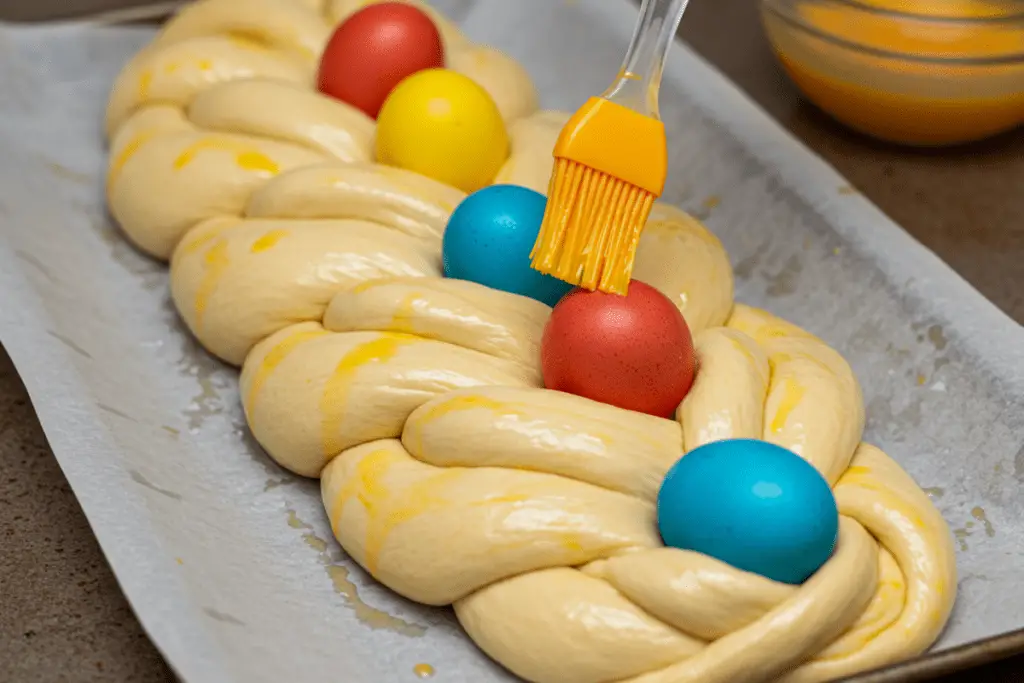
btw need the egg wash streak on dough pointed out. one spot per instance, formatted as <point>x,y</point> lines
<point>370,352</point>
<point>337,388</point>
<point>385,512</point>
<point>274,358</point>
<point>216,263</point>
<point>405,312</point>
<point>502,410</point>
<point>246,157</point>
<point>127,152</point>
<point>863,477</point>
<point>268,241</point>
<point>793,394</point>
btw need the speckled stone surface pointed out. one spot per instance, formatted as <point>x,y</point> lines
<point>62,616</point>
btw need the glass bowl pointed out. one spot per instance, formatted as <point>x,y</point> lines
<point>919,72</point>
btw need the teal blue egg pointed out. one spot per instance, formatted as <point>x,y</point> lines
<point>754,505</point>
<point>489,238</point>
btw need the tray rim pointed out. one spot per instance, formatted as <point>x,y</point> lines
<point>958,659</point>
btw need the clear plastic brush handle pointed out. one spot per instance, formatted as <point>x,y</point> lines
<point>639,78</point>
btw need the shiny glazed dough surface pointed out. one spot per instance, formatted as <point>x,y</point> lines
<point>447,471</point>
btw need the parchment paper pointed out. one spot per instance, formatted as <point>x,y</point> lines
<point>228,560</point>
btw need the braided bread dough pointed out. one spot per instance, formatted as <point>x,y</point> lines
<point>447,471</point>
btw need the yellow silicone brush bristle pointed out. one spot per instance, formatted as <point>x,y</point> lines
<point>610,166</point>
<point>590,238</point>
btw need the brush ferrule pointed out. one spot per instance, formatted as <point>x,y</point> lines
<point>617,141</point>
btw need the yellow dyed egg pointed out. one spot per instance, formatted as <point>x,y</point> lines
<point>443,125</point>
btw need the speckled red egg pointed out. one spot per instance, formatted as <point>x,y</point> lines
<point>632,351</point>
<point>374,50</point>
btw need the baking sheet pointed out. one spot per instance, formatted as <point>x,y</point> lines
<point>228,560</point>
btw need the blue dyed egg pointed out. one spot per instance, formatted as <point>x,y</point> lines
<point>489,238</point>
<point>751,504</point>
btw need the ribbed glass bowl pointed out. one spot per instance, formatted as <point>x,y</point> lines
<point>919,72</point>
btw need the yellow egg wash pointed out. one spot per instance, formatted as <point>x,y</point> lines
<point>571,542</point>
<point>863,478</point>
<point>423,670</point>
<point>480,58</point>
<point>941,8</point>
<point>145,82</point>
<point>743,349</point>
<point>274,358</point>
<point>304,50</point>
<point>384,512</point>
<point>126,153</point>
<point>208,234</point>
<point>786,357</point>
<point>367,285</point>
<point>793,393</point>
<point>268,241</point>
<point>246,42</point>
<point>466,402</point>
<point>247,158</point>
<point>413,435</point>
<point>405,312</point>
<point>886,606</point>
<point>215,263</point>
<point>761,326</point>
<point>770,331</point>
<point>257,162</point>
<point>332,402</point>
<point>909,34</point>
<point>912,95</point>
<point>604,438</point>
<point>500,500</point>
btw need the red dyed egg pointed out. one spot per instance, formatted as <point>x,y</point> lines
<point>632,351</point>
<point>376,48</point>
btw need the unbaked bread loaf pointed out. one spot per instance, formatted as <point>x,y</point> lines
<point>447,471</point>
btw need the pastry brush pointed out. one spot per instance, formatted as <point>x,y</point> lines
<point>611,160</point>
